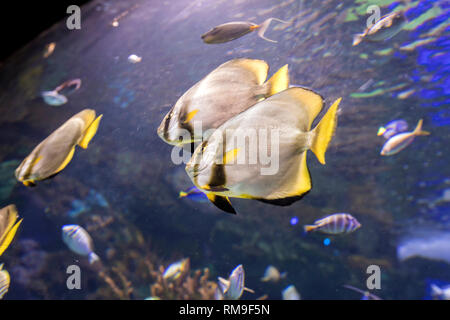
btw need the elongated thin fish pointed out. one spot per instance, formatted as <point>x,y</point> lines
<point>234,30</point>
<point>8,226</point>
<point>272,275</point>
<point>176,269</point>
<point>225,92</point>
<point>231,162</point>
<point>55,98</point>
<point>233,288</point>
<point>335,224</point>
<point>400,141</point>
<point>79,241</point>
<point>387,27</point>
<point>54,153</point>
<point>366,295</point>
<point>290,293</point>
<point>4,281</point>
<point>392,128</point>
<point>194,194</point>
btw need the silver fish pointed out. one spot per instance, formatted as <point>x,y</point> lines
<point>272,275</point>
<point>54,98</point>
<point>222,170</point>
<point>335,224</point>
<point>387,27</point>
<point>400,141</point>
<point>79,241</point>
<point>232,288</point>
<point>54,153</point>
<point>234,30</point>
<point>228,90</point>
<point>176,269</point>
<point>290,293</point>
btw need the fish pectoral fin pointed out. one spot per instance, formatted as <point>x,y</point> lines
<point>222,203</point>
<point>9,237</point>
<point>279,81</point>
<point>90,132</point>
<point>29,183</point>
<point>66,160</point>
<point>190,116</point>
<point>324,131</point>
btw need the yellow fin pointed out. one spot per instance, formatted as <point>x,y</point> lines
<point>230,156</point>
<point>66,161</point>
<point>279,81</point>
<point>12,215</point>
<point>223,203</point>
<point>190,115</point>
<point>9,237</point>
<point>90,132</point>
<point>182,194</point>
<point>258,67</point>
<point>324,132</point>
<point>304,179</point>
<point>311,101</point>
<point>29,183</point>
<point>381,131</point>
<point>309,228</point>
<point>418,130</point>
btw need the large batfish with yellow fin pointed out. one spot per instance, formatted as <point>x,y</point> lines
<point>8,226</point>
<point>228,90</point>
<point>230,162</point>
<point>54,153</point>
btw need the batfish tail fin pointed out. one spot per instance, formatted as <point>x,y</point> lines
<point>324,131</point>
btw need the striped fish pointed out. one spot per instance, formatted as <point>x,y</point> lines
<point>335,224</point>
<point>79,241</point>
<point>4,281</point>
<point>232,288</point>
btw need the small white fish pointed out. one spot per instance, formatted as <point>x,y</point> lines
<point>400,141</point>
<point>272,275</point>
<point>335,224</point>
<point>440,293</point>
<point>79,241</point>
<point>290,293</point>
<point>232,288</point>
<point>176,269</point>
<point>134,58</point>
<point>4,281</point>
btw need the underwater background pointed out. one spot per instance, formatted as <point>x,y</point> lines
<point>124,189</point>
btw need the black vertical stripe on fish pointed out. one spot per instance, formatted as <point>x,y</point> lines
<point>166,126</point>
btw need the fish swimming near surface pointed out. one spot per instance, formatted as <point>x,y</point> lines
<point>55,98</point>
<point>392,128</point>
<point>290,293</point>
<point>273,275</point>
<point>54,153</point>
<point>225,92</point>
<point>400,141</point>
<point>283,122</point>
<point>79,241</point>
<point>335,224</point>
<point>233,30</point>
<point>4,281</point>
<point>232,288</point>
<point>176,269</point>
<point>366,295</point>
<point>8,226</point>
<point>386,28</point>
<point>194,194</point>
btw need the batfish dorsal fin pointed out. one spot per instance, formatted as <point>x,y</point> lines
<point>310,100</point>
<point>258,67</point>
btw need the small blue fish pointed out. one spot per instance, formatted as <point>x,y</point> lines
<point>194,194</point>
<point>79,241</point>
<point>392,128</point>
